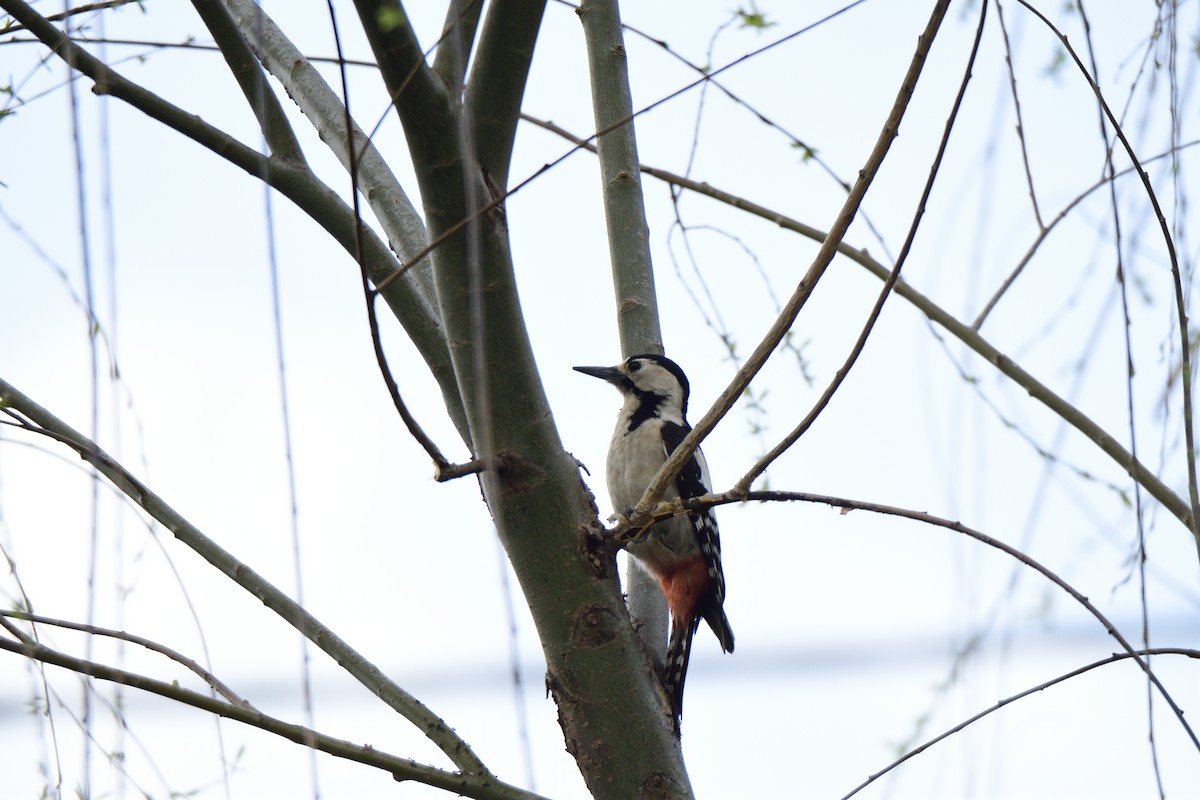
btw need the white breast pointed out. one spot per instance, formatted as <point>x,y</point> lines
<point>633,460</point>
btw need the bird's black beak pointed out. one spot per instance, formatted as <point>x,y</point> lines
<point>610,374</point>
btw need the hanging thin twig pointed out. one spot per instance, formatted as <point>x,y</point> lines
<point>1180,299</point>
<point>804,289</point>
<point>743,485</point>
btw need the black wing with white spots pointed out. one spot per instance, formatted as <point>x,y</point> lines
<point>694,481</point>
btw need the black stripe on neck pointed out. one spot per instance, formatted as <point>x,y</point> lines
<point>648,405</point>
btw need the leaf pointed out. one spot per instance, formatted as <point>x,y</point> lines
<point>754,18</point>
<point>808,154</point>
<point>1054,70</point>
<point>390,18</point>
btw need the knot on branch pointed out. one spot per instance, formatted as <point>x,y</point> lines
<point>598,551</point>
<point>635,524</point>
<point>595,625</point>
<point>445,471</point>
<point>519,473</point>
<point>660,786</point>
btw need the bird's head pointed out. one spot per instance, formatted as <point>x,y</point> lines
<point>650,380</point>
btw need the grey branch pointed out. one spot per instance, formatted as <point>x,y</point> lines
<point>39,420</point>
<point>628,530</point>
<point>483,787</point>
<point>217,685</point>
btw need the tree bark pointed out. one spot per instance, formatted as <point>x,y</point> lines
<point>613,712</point>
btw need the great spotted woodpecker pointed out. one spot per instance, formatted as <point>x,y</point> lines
<point>684,552</point>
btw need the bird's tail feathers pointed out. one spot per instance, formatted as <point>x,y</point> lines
<point>714,615</point>
<point>679,651</point>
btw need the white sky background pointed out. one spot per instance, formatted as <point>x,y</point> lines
<point>847,626</point>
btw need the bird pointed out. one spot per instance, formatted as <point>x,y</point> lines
<point>684,552</point>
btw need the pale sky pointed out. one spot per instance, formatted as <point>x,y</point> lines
<point>847,626</point>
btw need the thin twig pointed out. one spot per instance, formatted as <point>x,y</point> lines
<point>89,297</point>
<point>743,485</point>
<point>187,44</point>
<point>809,153</point>
<point>1012,82</point>
<point>212,680</point>
<point>1180,300</point>
<point>483,786</point>
<point>1127,327</point>
<point>441,464</point>
<point>627,531</point>
<point>1066,411</point>
<point>804,289</point>
<point>1044,233</point>
<point>1114,658</point>
<point>71,12</point>
<point>503,196</point>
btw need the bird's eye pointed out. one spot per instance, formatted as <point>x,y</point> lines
<point>635,365</point>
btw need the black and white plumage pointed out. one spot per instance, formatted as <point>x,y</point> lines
<point>684,553</point>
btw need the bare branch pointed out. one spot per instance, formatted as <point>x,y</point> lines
<point>296,182</point>
<point>627,530</point>
<point>499,73</point>
<point>39,420</point>
<point>417,93</point>
<point>964,333</point>
<point>1114,658</point>
<point>448,472</point>
<point>271,120</point>
<point>1012,82</point>
<point>1180,300</point>
<point>327,114</point>
<point>212,680</point>
<point>72,12</point>
<point>743,485</point>
<point>804,289</point>
<point>624,204</point>
<point>458,33</point>
<point>482,786</point>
